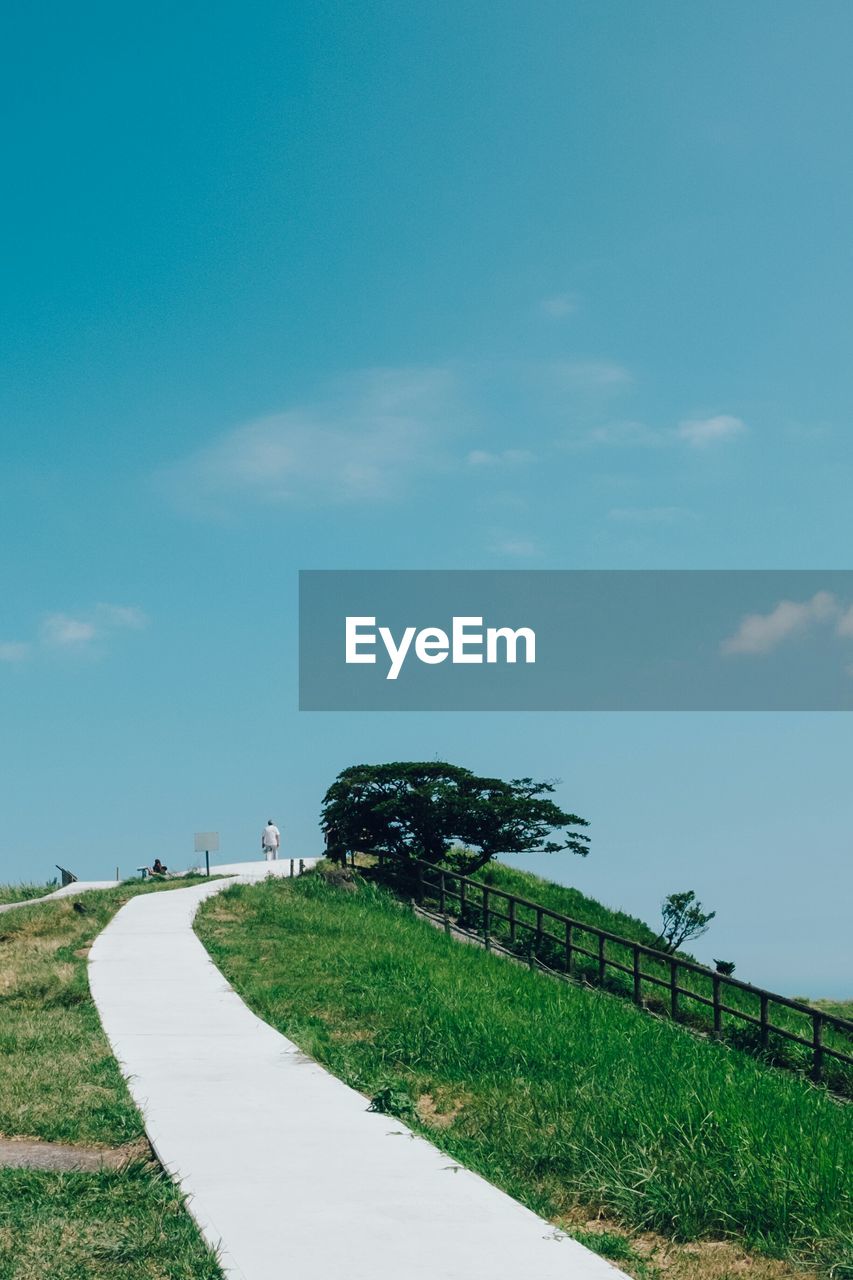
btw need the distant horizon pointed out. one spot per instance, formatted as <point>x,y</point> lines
<point>547,867</point>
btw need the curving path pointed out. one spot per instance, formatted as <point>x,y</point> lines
<point>286,1170</point>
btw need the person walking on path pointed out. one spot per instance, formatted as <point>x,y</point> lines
<point>270,840</point>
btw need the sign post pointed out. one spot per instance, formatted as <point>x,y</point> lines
<point>206,842</point>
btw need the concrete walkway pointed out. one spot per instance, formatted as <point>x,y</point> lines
<point>243,870</point>
<point>286,1169</point>
<point>252,871</point>
<point>68,890</point>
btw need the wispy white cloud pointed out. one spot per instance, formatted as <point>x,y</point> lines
<point>515,548</point>
<point>381,436</point>
<point>503,500</point>
<point>760,633</point>
<point>76,633</point>
<point>559,305</point>
<point>845,624</point>
<point>808,432</point>
<point>15,651</point>
<point>503,458</point>
<point>120,617</point>
<point>61,631</point>
<point>701,432</point>
<point>650,515</point>
<point>369,442</point>
<point>625,435</point>
<point>588,375</point>
<point>696,433</point>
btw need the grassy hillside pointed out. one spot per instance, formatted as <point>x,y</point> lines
<point>577,1103</point>
<point>23,892</point>
<point>571,902</point>
<point>60,1082</point>
<point>838,1008</point>
<point>568,901</point>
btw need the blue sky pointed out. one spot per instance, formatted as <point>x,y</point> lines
<point>394,285</point>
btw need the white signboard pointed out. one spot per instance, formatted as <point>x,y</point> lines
<point>206,842</point>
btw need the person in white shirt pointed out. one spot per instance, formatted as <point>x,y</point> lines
<point>270,840</point>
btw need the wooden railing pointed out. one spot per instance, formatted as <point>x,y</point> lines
<point>478,904</point>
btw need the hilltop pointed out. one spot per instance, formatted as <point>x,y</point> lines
<point>622,1129</point>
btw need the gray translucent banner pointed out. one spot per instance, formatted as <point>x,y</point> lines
<point>581,640</point>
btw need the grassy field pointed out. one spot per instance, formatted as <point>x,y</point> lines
<point>98,1226</point>
<point>577,1103</point>
<point>23,892</point>
<point>568,901</point>
<point>60,1082</point>
<point>838,1008</point>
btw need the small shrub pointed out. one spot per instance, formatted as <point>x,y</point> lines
<point>607,1244</point>
<point>393,1100</point>
<point>336,875</point>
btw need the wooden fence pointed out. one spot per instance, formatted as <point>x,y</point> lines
<point>480,903</point>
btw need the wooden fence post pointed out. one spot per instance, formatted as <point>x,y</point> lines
<point>442,894</point>
<point>673,988</point>
<point>718,1013</point>
<point>569,947</point>
<point>638,989</point>
<point>538,941</point>
<point>462,901</point>
<point>765,1028</point>
<point>486,921</point>
<point>817,1047</point>
<point>512,924</point>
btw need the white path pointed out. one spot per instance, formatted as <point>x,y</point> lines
<point>245,870</point>
<point>68,890</point>
<point>286,1169</point>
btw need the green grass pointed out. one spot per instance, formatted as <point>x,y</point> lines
<point>561,1094</point>
<point>608,1244</point>
<point>23,892</point>
<point>778,1051</point>
<point>568,901</point>
<point>98,1226</point>
<point>60,1082</point>
<point>58,1078</point>
<point>838,1008</point>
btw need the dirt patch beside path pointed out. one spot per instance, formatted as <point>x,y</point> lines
<point>28,1153</point>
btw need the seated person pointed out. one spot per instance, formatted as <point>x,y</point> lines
<point>158,869</point>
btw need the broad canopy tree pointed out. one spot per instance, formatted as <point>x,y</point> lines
<point>444,814</point>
